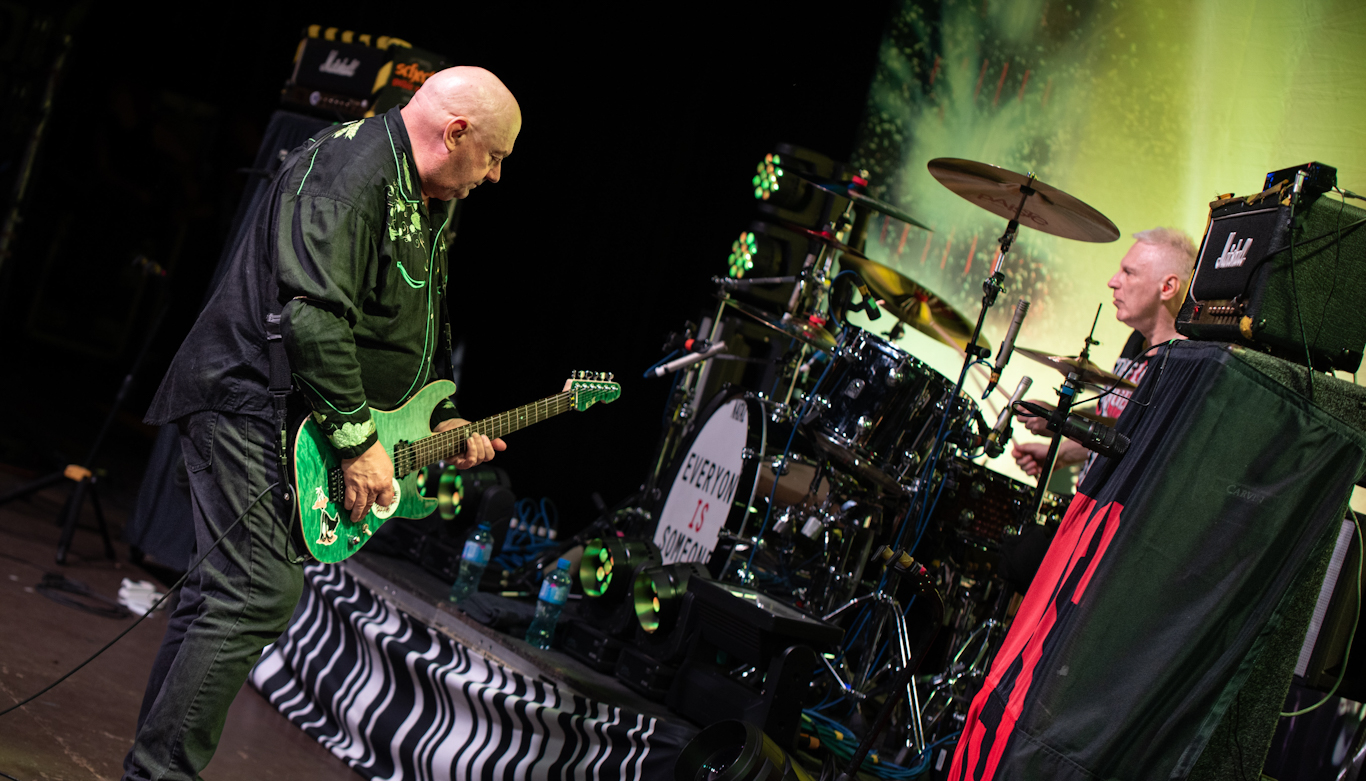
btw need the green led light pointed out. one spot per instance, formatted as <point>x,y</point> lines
<point>742,252</point>
<point>766,180</point>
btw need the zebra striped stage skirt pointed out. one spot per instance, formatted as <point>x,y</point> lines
<point>397,699</point>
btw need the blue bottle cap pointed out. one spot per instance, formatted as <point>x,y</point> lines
<point>565,564</point>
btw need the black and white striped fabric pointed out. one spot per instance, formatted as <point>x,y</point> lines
<point>396,699</point>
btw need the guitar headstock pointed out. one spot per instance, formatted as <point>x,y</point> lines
<point>589,388</point>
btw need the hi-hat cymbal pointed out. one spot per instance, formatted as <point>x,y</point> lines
<point>1087,371</point>
<point>802,329</point>
<point>912,304</point>
<point>854,192</point>
<point>821,236</point>
<point>999,191</point>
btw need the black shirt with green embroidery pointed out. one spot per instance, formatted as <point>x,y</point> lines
<point>345,251</point>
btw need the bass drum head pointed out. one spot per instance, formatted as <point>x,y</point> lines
<point>711,484</point>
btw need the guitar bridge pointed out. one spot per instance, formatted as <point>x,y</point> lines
<point>336,484</point>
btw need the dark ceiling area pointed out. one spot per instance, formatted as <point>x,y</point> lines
<point>626,188</point>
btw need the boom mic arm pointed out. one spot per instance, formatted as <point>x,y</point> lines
<point>1090,434</point>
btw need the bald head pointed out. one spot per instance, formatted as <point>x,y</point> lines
<point>462,123</point>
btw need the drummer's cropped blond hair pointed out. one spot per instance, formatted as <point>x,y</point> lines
<point>1181,249</point>
<point>1180,257</point>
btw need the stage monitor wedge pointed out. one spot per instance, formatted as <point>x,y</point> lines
<point>1243,289</point>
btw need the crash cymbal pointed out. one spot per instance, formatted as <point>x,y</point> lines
<point>1089,373</point>
<point>854,192</point>
<point>800,329</point>
<point>999,191</point>
<point>912,304</point>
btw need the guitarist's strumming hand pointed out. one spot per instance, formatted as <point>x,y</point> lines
<point>478,448</point>
<point>369,479</point>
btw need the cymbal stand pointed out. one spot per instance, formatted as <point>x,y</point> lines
<point>1067,396</point>
<point>972,352</point>
<point>885,610</point>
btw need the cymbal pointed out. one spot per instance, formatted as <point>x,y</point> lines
<point>1084,412</point>
<point>912,304</point>
<point>800,329</point>
<point>820,236</point>
<point>1089,373</point>
<point>999,191</point>
<point>854,192</point>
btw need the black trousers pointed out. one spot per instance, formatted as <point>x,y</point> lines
<point>237,602</point>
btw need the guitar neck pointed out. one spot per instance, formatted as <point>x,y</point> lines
<point>449,444</point>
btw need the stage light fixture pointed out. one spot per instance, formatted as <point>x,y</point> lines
<point>735,751</point>
<point>609,563</point>
<point>446,483</point>
<point>658,593</point>
<point>742,252</point>
<point>769,178</point>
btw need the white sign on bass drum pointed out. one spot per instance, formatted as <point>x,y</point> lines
<point>705,485</point>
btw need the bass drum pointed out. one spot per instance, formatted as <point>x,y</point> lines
<point>711,485</point>
<point>877,409</point>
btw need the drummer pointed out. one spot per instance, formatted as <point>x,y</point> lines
<point>1149,288</point>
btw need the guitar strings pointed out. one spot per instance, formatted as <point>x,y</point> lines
<point>447,444</point>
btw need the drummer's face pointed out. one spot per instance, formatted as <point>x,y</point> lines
<point>1138,285</point>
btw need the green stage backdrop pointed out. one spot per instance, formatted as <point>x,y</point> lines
<point>1144,109</point>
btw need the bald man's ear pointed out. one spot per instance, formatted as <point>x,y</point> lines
<point>456,129</point>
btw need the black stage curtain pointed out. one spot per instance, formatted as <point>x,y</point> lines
<point>1177,575</point>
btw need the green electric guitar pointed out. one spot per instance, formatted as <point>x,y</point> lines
<point>407,437</point>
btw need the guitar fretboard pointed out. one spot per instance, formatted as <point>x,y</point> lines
<point>449,444</point>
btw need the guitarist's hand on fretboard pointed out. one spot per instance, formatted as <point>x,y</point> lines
<point>478,449</point>
<point>369,481</point>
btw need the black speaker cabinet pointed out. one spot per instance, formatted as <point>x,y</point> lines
<point>1243,290</point>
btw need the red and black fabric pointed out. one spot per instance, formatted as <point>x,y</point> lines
<point>1167,571</point>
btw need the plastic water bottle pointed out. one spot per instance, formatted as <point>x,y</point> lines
<point>478,548</point>
<point>554,593</point>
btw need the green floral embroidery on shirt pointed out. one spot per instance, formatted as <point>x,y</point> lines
<point>405,221</point>
<point>350,132</point>
<point>351,434</point>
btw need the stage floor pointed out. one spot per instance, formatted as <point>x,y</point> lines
<point>81,729</point>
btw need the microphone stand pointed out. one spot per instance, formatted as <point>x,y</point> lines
<point>1067,396</point>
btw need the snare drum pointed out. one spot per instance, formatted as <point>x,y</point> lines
<point>878,409</point>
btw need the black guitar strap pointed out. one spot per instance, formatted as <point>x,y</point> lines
<point>279,389</point>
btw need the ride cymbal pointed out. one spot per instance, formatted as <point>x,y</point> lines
<point>1000,191</point>
<point>1088,372</point>
<point>912,304</point>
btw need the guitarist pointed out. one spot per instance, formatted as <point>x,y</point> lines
<point>338,284</point>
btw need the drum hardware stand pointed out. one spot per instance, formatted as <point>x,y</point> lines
<point>1067,396</point>
<point>904,679</point>
<point>681,411</point>
<point>886,609</point>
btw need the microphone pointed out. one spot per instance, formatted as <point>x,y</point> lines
<point>689,359</point>
<point>868,304</point>
<point>1090,434</point>
<point>1001,432</point>
<point>1008,346</point>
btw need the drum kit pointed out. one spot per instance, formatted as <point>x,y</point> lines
<point>864,452</point>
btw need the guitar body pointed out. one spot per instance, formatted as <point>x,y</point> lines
<point>326,524</point>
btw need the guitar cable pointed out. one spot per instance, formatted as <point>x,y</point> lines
<point>150,610</point>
